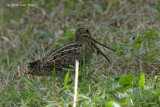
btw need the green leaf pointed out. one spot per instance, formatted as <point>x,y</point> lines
<point>142,80</point>
<point>138,42</point>
<point>66,78</point>
<point>128,57</point>
<point>151,33</point>
<point>54,74</point>
<point>158,7</point>
<point>27,2</point>
<point>49,34</point>
<point>136,93</point>
<point>112,104</point>
<point>29,84</point>
<point>70,3</point>
<point>126,80</point>
<point>52,105</point>
<point>98,8</point>
<point>84,63</point>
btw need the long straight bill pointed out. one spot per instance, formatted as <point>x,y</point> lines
<point>100,51</point>
<point>103,45</point>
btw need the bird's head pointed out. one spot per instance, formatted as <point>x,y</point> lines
<point>83,34</point>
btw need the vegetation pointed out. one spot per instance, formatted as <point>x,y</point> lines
<point>132,27</point>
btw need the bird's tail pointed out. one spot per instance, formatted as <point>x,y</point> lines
<point>34,64</point>
<point>34,67</point>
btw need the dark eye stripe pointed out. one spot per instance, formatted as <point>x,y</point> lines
<point>80,30</point>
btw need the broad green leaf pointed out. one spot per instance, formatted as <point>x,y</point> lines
<point>112,104</point>
<point>126,80</point>
<point>142,80</point>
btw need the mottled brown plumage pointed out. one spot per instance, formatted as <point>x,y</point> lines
<point>65,56</point>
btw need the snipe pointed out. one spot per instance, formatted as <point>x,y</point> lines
<point>65,56</point>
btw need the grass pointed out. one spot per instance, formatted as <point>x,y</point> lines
<point>130,26</point>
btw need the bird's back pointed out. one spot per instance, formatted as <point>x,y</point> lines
<point>62,57</point>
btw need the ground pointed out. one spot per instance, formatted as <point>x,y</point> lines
<point>31,29</point>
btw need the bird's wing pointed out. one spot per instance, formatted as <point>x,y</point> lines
<point>64,56</point>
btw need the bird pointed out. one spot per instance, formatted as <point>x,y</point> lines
<point>65,56</point>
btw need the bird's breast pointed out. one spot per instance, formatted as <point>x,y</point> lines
<point>88,51</point>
